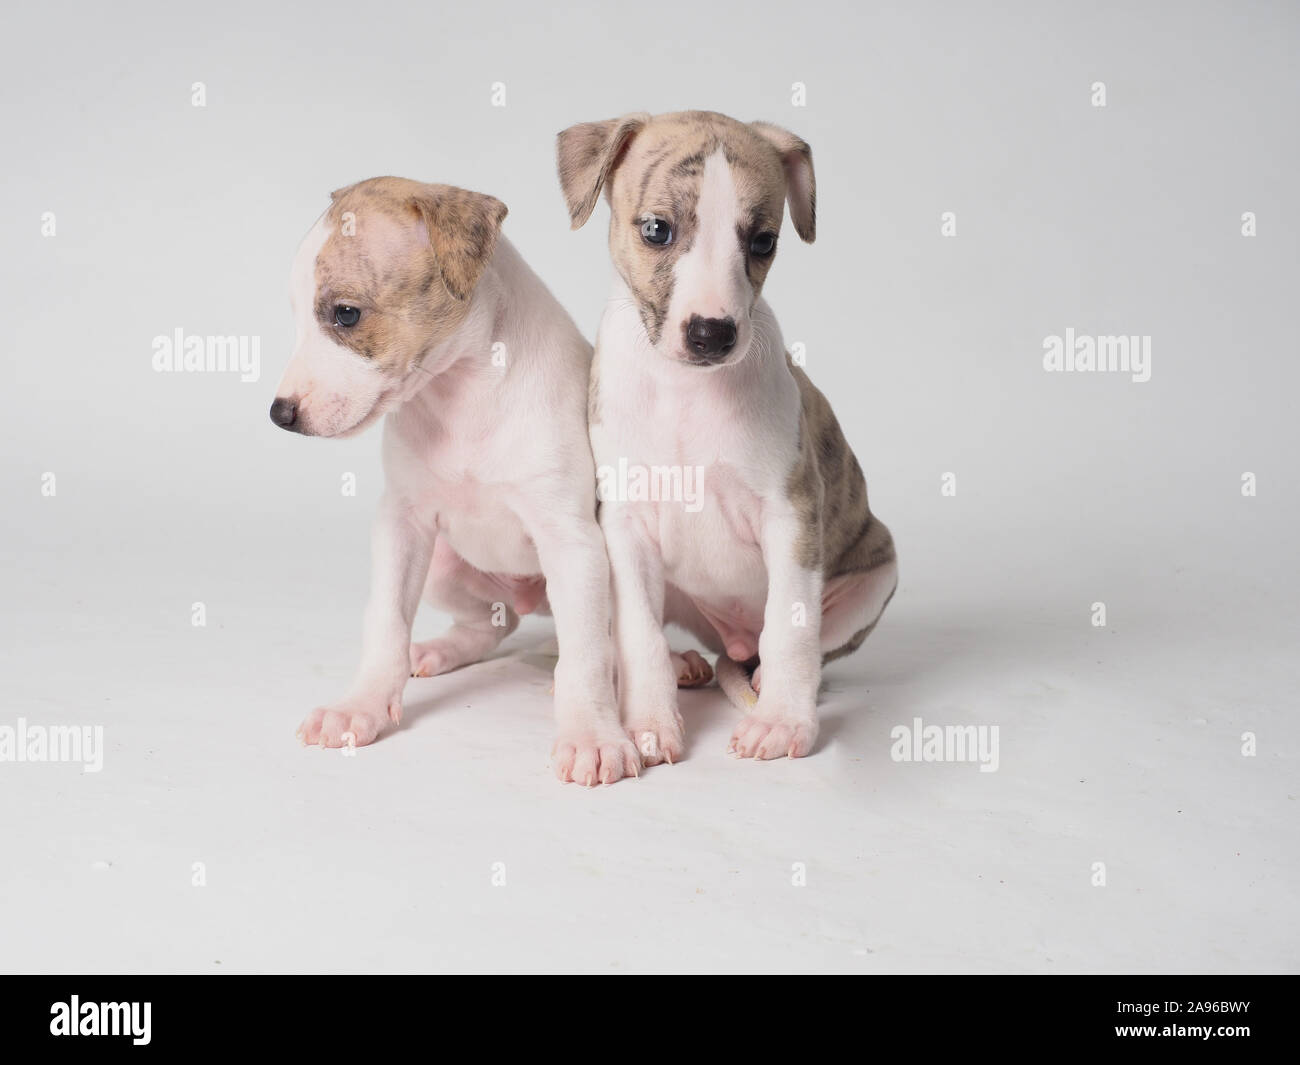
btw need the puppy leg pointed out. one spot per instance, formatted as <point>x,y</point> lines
<point>591,747</point>
<point>480,618</point>
<point>784,720</point>
<point>647,679</point>
<point>851,606</point>
<point>400,552</point>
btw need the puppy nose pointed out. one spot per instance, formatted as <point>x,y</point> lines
<point>710,337</point>
<point>284,412</point>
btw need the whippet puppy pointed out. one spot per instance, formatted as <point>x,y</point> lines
<point>783,567</point>
<point>409,303</point>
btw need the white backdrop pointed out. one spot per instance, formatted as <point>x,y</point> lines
<point>1120,743</point>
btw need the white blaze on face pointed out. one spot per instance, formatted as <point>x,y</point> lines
<point>334,387</point>
<point>710,279</point>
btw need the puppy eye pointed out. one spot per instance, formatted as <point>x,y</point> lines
<point>346,316</point>
<point>763,244</point>
<point>656,231</point>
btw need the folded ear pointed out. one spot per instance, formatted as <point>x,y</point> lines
<point>800,184</point>
<point>463,228</point>
<point>586,155</point>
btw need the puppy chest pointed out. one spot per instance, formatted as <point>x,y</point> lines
<point>712,544</point>
<point>483,531</point>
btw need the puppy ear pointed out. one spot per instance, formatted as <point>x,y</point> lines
<point>586,155</point>
<point>800,184</point>
<point>463,228</point>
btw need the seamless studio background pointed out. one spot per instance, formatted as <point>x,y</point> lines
<point>1120,743</point>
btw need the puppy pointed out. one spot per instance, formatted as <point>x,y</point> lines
<point>410,304</point>
<point>782,566</point>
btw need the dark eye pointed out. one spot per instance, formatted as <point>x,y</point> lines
<point>656,231</point>
<point>346,316</point>
<point>763,244</point>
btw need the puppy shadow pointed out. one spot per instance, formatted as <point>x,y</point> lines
<point>705,712</point>
<point>911,662</point>
<point>490,678</point>
<point>831,725</point>
<point>895,671</point>
<point>923,660</point>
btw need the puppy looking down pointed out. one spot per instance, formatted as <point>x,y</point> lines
<point>410,304</point>
<point>783,567</point>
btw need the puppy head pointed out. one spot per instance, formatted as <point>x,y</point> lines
<point>384,276</point>
<point>696,203</point>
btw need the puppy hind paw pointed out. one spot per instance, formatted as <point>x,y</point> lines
<point>691,670</point>
<point>352,723</point>
<point>449,651</point>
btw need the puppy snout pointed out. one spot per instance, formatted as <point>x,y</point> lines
<point>710,338</point>
<point>284,412</point>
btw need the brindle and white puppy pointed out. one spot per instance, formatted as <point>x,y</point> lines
<point>784,565</point>
<point>409,303</point>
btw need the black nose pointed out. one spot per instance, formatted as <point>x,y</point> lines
<point>284,412</point>
<point>710,337</point>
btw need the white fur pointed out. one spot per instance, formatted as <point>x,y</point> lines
<point>727,572</point>
<point>493,463</point>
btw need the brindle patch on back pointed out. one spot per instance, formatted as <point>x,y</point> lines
<point>829,493</point>
<point>413,257</point>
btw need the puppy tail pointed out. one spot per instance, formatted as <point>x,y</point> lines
<point>733,678</point>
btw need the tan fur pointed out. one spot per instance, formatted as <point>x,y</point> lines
<point>796,160</point>
<point>585,155</point>
<point>449,234</point>
<point>652,166</point>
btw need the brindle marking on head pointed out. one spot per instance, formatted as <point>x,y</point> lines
<point>410,266</point>
<point>654,166</point>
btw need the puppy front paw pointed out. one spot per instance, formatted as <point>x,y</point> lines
<point>763,734</point>
<point>658,737</point>
<point>354,722</point>
<point>590,757</point>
